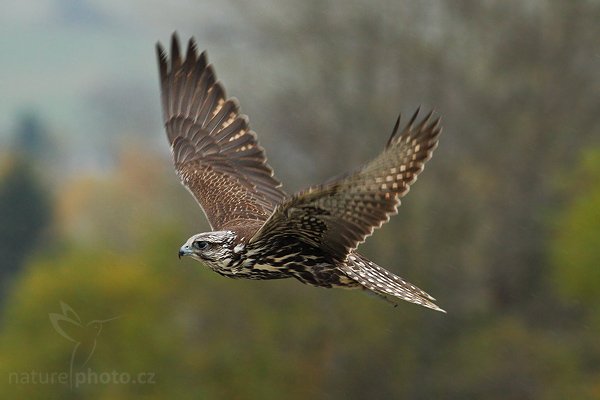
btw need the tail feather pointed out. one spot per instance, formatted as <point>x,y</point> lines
<point>384,283</point>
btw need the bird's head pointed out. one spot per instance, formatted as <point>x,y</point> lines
<point>214,249</point>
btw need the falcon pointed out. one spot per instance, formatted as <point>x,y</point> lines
<point>257,230</point>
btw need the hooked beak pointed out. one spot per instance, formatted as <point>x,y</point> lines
<point>184,251</point>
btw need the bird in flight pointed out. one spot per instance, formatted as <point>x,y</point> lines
<point>257,230</point>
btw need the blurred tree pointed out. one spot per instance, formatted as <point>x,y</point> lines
<point>25,204</point>
<point>538,110</point>
<point>31,137</point>
<point>25,213</point>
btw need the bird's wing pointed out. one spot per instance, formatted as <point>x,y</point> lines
<point>216,155</point>
<point>339,215</point>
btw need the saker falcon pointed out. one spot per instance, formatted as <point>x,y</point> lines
<point>259,231</point>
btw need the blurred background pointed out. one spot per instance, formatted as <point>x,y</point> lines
<point>503,227</point>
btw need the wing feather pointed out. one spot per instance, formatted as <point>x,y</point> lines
<point>340,214</point>
<point>216,155</point>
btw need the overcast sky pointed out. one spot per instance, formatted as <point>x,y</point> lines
<point>73,61</point>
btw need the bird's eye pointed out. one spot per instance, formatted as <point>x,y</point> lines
<point>201,244</point>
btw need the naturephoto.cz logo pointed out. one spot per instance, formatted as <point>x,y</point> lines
<point>84,337</point>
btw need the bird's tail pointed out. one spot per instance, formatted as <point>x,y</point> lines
<point>387,285</point>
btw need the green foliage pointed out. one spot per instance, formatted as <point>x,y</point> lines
<point>575,257</point>
<point>576,245</point>
<point>201,336</point>
<point>506,359</point>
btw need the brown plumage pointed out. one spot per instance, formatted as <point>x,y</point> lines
<point>258,231</point>
<point>351,207</point>
<point>216,154</point>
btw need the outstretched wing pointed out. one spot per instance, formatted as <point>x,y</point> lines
<point>216,155</point>
<point>339,215</point>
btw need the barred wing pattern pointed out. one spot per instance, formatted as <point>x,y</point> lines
<point>340,215</point>
<point>216,155</point>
